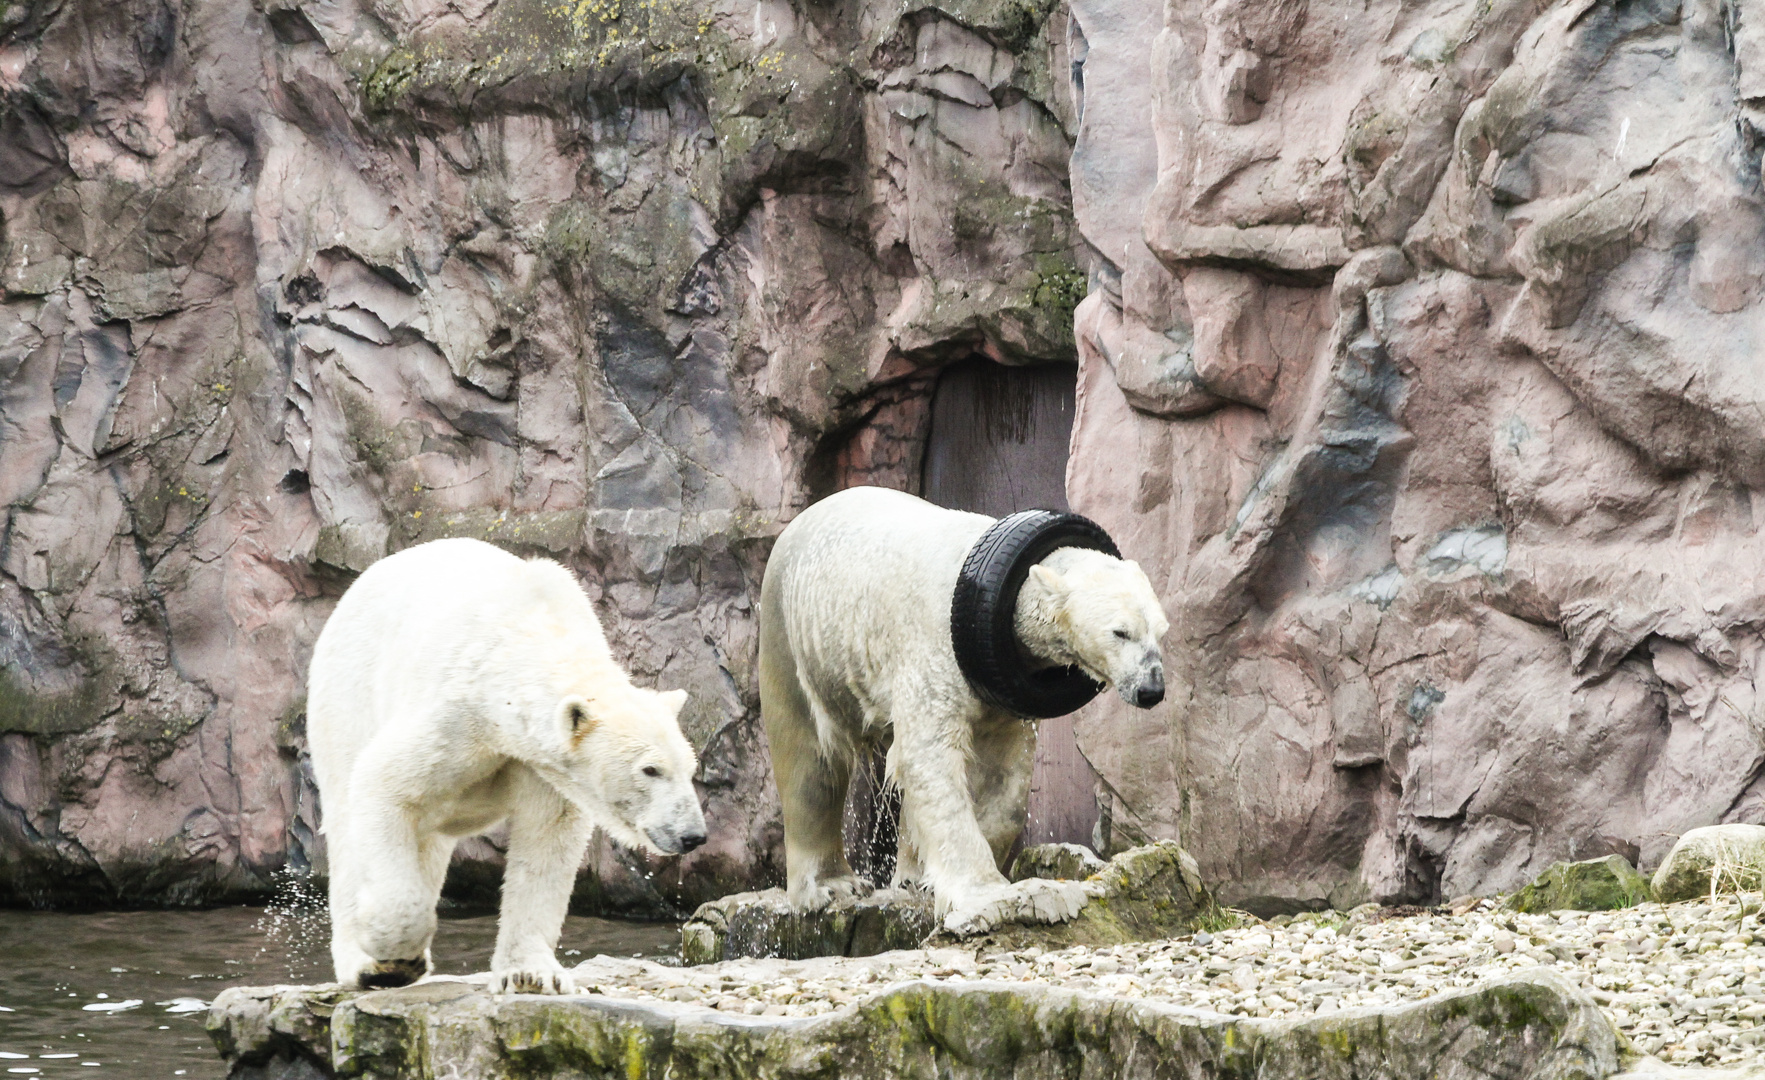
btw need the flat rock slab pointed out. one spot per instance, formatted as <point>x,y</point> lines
<point>764,924</point>
<point>1533,1026</point>
<point>1145,893</point>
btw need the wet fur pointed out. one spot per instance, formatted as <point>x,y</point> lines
<point>855,649</point>
<point>457,687</point>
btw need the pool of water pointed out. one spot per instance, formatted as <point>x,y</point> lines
<point>106,994</point>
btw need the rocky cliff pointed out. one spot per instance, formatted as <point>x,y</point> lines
<point>291,285</point>
<point>1420,362</point>
<point>1415,365</point>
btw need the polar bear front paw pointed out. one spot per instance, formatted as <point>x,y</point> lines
<point>532,979</point>
<point>817,895</point>
<point>1033,900</point>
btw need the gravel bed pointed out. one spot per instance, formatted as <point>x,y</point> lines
<point>1682,981</point>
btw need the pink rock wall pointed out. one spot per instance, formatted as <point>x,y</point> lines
<point>1417,366</point>
<point>1420,364</point>
<point>290,285</point>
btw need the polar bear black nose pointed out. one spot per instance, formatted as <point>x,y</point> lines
<point>1150,692</point>
<point>691,841</point>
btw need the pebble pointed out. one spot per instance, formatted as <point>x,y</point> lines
<point>1684,982</point>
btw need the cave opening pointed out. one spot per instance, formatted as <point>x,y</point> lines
<point>993,439</point>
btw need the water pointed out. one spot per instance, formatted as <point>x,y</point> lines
<point>53,966</point>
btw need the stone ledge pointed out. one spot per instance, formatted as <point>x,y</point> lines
<point>764,924</point>
<point>1531,1026</point>
<point>1144,893</point>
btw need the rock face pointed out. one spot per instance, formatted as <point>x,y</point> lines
<point>288,285</point>
<point>1526,1028</point>
<point>1732,857</point>
<point>1141,894</point>
<point>1419,369</point>
<point>1416,365</point>
<point>1591,885</point>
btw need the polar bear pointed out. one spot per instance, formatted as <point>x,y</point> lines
<point>856,648</point>
<point>457,686</point>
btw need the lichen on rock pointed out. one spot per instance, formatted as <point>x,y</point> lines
<point>1529,1026</point>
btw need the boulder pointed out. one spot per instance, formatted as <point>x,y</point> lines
<point>1530,1026</point>
<point>1733,854</point>
<point>1147,892</point>
<point>1058,862</point>
<point>1591,885</point>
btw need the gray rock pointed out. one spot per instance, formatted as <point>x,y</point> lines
<point>1734,855</point>
<point>1534,1026</point>
<point>764,924</point>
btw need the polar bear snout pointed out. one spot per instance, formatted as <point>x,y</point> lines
<point>1144,687</point>
<point>679,826</point>
<point>670,842</point>
<point>1148,692</point>
<point>671,820</point>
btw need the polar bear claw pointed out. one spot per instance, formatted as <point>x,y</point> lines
<point>820,895</point>
<point>535,979</point>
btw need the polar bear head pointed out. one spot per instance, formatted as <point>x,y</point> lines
<point>625,762</point>
<point>1099,613</point>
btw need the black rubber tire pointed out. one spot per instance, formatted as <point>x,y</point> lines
<point>983,614</point>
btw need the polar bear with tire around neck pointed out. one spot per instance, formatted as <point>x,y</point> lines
<point>856,649</point>
<point>457,686</point>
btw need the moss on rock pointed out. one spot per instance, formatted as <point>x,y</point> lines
<point>1592,885</point>
<point>1531,1026</point>
<point>1145,893</point>
<point>22,710</point>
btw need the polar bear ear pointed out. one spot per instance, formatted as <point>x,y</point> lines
<point>675,700</point>
<point>1049,579</point>
<point>578,717</point>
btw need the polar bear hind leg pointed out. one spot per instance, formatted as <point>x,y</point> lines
<point>1001,764</point>
<point>385,880</point>
<point>812,783</point>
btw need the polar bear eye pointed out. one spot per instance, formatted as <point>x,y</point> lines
<point>1123,634</point>
<point>651,770</point>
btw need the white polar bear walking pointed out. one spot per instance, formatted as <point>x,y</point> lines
<point>855,647</point>
<point>457,686</point>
